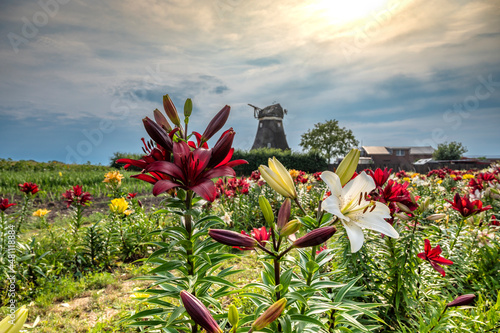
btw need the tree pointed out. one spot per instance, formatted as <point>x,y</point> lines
<point>328,139</point>
<point>449,151</point>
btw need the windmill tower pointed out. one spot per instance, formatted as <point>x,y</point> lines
<point>270,133</point>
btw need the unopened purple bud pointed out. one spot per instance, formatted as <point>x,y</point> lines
<point>461,300</point>
<point>232,238</point>
<point>315,237</point>
<point>199,313</point>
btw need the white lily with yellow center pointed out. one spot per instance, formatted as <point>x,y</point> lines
<point>349,204</point>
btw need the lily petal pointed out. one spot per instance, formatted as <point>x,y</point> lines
<point>355,235</point>
<point>333,181</point>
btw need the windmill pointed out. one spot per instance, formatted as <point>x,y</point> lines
<point>270,133</point>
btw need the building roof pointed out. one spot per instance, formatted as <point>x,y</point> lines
<point>427,150</point>
<point>376,150</point>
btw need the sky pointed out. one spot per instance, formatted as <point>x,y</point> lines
<point>77,77</point>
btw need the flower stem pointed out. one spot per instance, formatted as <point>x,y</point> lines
<point>460,226</point>
<point>300,206</point>
<point>440,316</point>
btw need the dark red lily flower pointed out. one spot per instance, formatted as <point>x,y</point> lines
<point>494,221</point>
<point>77,197</point>
<point>154,153</point>
<point>379,176</point>
<point>433,256</point>
<point>255,176</point>
<point>28,188</point>
<point>191,170</point>
<point>317,176</point>
<point>4,204</point>
<point>131,195</point>
<point>467,208</point>
<point>393,193</point>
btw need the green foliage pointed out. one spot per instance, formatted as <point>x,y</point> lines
<point>308,162</point>
<point>329,140</point>
<point>449,151</point>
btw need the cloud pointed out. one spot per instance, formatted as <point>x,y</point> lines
<point>405,63</point>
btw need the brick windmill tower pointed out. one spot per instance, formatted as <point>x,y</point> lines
<point>270,133</point>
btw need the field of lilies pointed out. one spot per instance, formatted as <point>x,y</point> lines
<point>277,251</point>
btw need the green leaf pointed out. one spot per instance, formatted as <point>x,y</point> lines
<point>343,291</point>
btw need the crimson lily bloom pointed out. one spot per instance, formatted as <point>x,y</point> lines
<point>29,188</point>
<point>434,258</point>
<point>77,197</point>
<point>261,235</point>
<point>4,204</point>
<point>194,169</point>
<point>467,208</point>
<point>379,176</point>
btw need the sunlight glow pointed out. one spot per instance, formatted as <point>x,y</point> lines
<point>343,12</point>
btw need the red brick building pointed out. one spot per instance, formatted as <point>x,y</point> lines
<point>402,157</point>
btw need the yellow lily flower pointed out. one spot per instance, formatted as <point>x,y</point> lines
<point>113,177</point>
<point>278,177</point>
<point>41,212</point>
<point>119,206</point>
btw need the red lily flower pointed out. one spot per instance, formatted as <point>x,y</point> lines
<point>494,221</point>
<point>77,197</point>
<point>131,195</point>
<point>4,204</point>
<point>467,208</point>
<point>193,166</point>
<point>193,170</point>
<point>433,257</point>
<point>261,235</point>
<point>394,193</point>
<point>28,188</point>
<point>379,176</point>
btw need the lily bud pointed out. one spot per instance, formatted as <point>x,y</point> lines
<point>403,207</point>
<point>233,316</point>
<point>435,217</point>
<point>188,107</point>
<point>161,120</point>
<point>402,216</point>
<point>290,228</point>
<point>158,134</point>
<point>171,111</point>
<point>222,148</point>
<point>216,123</point>
<point>461,300</point>
<point>278,177</point>
<point>266,209</point>
<point>232,238</point>
<point>348,166</point>
<point>284,213</point>
<point>315,237</point>
<point>199,313</point>
<point>6,325</point>
<point>270,315</point>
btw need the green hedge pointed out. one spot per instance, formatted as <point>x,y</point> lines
<point>309,162</point>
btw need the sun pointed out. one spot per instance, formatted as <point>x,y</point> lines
<point>346,11</point>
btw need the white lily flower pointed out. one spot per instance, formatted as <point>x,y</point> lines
<point>349,204</point>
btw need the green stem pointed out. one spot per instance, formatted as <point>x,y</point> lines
<point>300,206</point>
<point>460,226</point>
<point>277,277</point>
<point>440,316</point>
